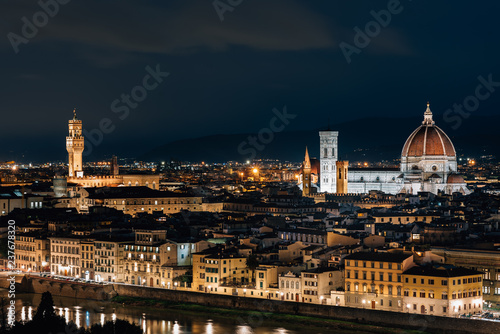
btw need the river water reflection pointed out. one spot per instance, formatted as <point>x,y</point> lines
<point>154,321</point>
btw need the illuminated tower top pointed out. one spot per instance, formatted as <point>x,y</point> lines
<point>75,146</point>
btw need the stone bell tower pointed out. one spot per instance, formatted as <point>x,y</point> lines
<point>74,146</point>
<point>306,175</point>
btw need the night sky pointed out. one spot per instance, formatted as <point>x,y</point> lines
<point>226,76</point>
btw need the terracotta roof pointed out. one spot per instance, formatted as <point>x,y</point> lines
<point>428,140</point>
<point>455,178</point>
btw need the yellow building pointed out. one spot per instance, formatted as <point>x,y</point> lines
<point>213,269</point>
<point>442,290</point>
<point>65,256</point>
<point>486,261</point>
<point>403,218</point>
<point>87,260</point>
<point>134,200</point>
<point>374,279</point>
<point>318,283</point>
<point>32,253</point>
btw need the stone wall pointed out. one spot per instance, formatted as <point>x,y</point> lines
<point>383,318</point>
<point>31,284</point>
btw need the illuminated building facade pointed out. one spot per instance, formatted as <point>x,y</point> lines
<point>442,290</point>
<point>428,164</point>
<point>75,144</point>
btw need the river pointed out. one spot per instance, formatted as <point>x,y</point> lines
<point>157,321</point>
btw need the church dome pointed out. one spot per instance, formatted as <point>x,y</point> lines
<point>428,139</point>
<point>455,178</point>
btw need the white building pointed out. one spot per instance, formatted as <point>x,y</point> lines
<point>328,145</point>
<point>428,163</point>
<point>65,253</point>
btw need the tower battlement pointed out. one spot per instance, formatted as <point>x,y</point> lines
<point>75,144</point>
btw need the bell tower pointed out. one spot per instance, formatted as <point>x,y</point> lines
<point>306,175</point>
<point>74,146</point>
<point>328,146</point>
<point>342,168</point>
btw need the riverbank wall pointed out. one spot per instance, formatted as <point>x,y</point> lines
<point>34,284</point>
<point>264,307</point>
<point>420,322</point>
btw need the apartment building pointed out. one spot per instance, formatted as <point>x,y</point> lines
<point>32,253</point>
<point>443,290</point>
<point>212,269</point>
<point>486,261</point>
<point>290,284</point>
<point>65,255</point>
<point>318,283</point>
<point>87,259</point>
<point>108,260</point>
<point>374,279</point>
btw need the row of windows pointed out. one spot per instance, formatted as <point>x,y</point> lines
<point>373,289</point>
<point>143,248</point>
<point>156,202</point>
<point>66,260</point>
<point>290,285</point>
<point>65,249</point>
<point>105,253</point>
<point>25,258</point>
<point>380,265</point>
<point>372,276</point>
<point>359,300</point>
<point>407,219</point>
<point>445,282</point>
<point>487,290</point>
<point>444,295</point>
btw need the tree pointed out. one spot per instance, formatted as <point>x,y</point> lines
<point>45,309</point>
<point>252,264</point>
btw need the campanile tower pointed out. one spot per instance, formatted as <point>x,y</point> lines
<point>328,146</point>
<point>74,146</point>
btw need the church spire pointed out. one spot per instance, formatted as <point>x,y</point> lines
<point>428,116</point>
<point>307,161</point>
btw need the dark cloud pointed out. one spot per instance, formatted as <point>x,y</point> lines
<point>227,76</point>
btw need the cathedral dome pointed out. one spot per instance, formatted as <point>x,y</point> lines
<point>455,178</point>
<point>428,140</point>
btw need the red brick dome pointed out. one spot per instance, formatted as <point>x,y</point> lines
<point>428,139</point>
<point>455,178</point>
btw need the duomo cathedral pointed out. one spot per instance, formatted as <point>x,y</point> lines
<point>428,164</point>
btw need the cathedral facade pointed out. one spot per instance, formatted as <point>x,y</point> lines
<point>428,163</point>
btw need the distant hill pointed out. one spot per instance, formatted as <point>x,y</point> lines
<point>371,139</point>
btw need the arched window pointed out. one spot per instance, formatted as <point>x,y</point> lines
<point>325,153</point>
